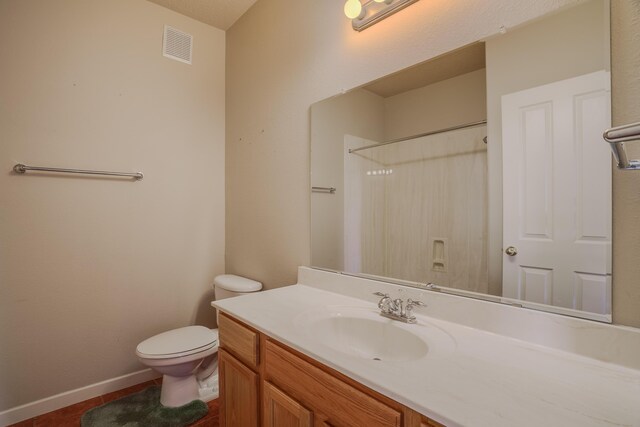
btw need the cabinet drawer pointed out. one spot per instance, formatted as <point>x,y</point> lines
<point>239,340</point>
<point>339,403</point>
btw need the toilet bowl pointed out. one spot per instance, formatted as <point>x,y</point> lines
<point>187,357</point>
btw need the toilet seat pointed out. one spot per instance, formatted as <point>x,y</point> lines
<point>179,343</point>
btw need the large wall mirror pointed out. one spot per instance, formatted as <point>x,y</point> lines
<point>482,171</point>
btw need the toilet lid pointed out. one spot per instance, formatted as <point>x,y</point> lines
<point>182,340</point>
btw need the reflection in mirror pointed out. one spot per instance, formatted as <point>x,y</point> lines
<point>482,171</point>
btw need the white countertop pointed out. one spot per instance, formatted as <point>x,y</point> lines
<point>486,380</point>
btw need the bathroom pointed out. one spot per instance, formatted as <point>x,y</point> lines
<point>92,266</point>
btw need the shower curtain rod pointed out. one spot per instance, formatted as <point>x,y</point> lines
<point>408,138</point>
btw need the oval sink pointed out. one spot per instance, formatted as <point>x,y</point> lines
<point>369,339</point>
<point>363,333</point>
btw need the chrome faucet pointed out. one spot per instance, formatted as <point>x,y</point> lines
<point>398,306</point>
<point>396,309</point>
<point>386,304</point>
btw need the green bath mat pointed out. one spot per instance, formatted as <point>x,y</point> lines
<point>143,409</point>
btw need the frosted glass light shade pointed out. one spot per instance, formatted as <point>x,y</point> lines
<point>353,9</point>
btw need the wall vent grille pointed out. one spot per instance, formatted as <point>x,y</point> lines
<point>177,45</point>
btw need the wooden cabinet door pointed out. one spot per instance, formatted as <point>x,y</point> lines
<point>332,400</point>
<point>238,393</point>
<point>281,410</point>
<point>426,422</point>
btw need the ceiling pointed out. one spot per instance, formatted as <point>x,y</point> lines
<point>218,13</point>
<point>449,65</point>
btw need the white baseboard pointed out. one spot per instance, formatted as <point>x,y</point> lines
<point>48,404</point>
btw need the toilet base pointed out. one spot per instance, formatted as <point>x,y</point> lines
<point>178,391</point>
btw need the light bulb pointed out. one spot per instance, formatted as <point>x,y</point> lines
<point>353,9</point>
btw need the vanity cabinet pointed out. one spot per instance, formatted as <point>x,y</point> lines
<point>263,382</point>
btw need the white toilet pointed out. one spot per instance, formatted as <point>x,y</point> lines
<point>187,357</point>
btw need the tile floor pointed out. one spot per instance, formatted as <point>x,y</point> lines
<point>70,416</point>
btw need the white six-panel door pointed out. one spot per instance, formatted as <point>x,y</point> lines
<point>557,194</point>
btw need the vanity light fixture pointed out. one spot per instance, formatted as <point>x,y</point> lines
<point>372,11</point>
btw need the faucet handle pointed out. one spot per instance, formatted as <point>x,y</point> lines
<point>411,303</point>
<point>407,311</point>
<point>384,302</point>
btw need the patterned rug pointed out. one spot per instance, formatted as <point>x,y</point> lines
<point>143,409</point>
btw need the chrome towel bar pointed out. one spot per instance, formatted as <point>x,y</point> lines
<point>323,189</point>
<point>616,137</point>
<point>20,168</point>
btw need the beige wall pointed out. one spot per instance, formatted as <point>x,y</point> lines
<point>359,113</point>
<point>455,101</point>
<point>568,44</point>
<point>89,267</point>
<point>625,85</point>
<point>282,56</point>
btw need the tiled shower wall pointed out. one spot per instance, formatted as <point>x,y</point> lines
<point>417,210</point>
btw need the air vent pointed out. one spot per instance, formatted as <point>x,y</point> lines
<point>177,45</point>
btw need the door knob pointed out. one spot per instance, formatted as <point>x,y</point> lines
<point>511,251</point>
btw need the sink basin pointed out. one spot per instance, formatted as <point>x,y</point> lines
<point>362,333</point>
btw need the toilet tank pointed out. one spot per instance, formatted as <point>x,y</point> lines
<point>230,285</point>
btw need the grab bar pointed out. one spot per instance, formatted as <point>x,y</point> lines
<point>20,168</point>
<point>323,189</point>
<point>616,137</point>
